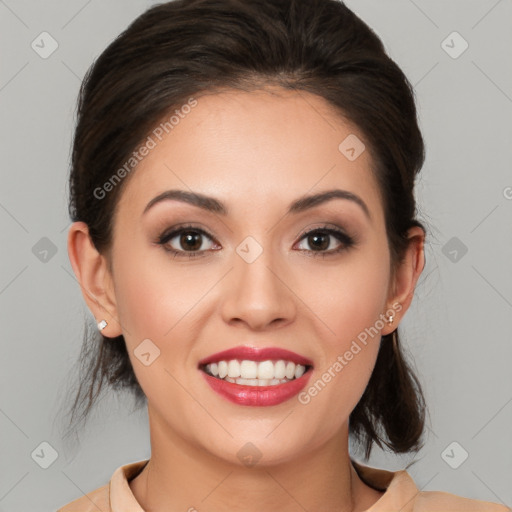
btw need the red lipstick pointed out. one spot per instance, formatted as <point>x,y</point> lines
<point>256,395</point>
<point>256,354</point>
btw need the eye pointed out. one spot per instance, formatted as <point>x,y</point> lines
<point>320,239</point>
<point>189,238</point>
<point>188,241</point>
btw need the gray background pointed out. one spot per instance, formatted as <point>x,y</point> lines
<point>458,327</point>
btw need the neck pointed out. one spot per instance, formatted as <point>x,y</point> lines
<point>182,476</point>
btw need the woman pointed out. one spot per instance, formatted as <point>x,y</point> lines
<point>242,191</point>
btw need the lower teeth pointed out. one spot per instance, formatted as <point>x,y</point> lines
<point>256,382</point>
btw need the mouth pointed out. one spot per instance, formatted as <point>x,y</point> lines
<point>253,373</point>
<point>251,376</point>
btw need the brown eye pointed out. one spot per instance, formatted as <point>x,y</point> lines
<point>191,240</point>
<point>319,240</point>
<point>186,241</point>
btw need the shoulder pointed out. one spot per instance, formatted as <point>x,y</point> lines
<point>116,495</point>
<point>401,493</point>
<point>439,501</point>
<point>91,502</point>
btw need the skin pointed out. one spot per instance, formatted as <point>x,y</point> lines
<point>256,152</point>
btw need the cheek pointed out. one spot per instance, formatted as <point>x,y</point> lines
<point>155,302</point>
<point>349,300</point>
<point>153,294</point>
<point>348,297</point>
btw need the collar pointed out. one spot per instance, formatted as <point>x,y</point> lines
<point>398,486</point>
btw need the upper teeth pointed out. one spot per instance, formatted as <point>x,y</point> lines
<point>247,369</point>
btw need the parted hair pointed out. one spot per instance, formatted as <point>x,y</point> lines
<point>186,48</point>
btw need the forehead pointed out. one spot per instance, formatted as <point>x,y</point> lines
<point>252,148</point>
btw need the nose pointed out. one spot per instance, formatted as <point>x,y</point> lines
<point>257,294</point>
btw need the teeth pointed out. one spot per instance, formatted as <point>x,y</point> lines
<point>233,369</point>
<point>290,371</point>
<point>266,370</point>
<point>223,369</point>
<point>299,371</point>
<point>280,370</point>
<point>249,369</point>
<point>252,373</point>
<point>260,382</point>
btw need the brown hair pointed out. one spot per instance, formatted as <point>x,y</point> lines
<point>184,48</point>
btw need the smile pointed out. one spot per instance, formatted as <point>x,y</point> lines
<point>257,377</point>
<point>253,373</point>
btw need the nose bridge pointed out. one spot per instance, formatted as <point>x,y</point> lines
<point>257,294</point>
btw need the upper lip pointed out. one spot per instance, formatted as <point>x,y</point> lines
<point>256,354</point>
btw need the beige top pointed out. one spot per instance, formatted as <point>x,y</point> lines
<point>401,494</point>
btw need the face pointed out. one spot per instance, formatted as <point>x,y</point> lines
<point>251,275</point>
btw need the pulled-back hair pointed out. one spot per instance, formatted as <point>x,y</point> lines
<point>185,48</point>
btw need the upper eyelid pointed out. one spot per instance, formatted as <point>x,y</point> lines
<point>328,227</point>
<point>172,232</point>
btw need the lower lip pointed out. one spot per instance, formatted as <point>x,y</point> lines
<point>257,395</point>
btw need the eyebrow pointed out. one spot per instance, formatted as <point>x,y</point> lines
<point>215,206</point>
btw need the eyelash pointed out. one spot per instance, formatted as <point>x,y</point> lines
<point>346,240</point>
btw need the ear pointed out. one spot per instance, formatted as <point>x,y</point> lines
<point>406,276</point>
<point>93,275</point>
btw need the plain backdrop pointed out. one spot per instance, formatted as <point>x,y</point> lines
<point>457,56</point>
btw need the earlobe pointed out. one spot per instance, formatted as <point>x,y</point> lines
<point>407,275</point>
<point>92,273</point>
